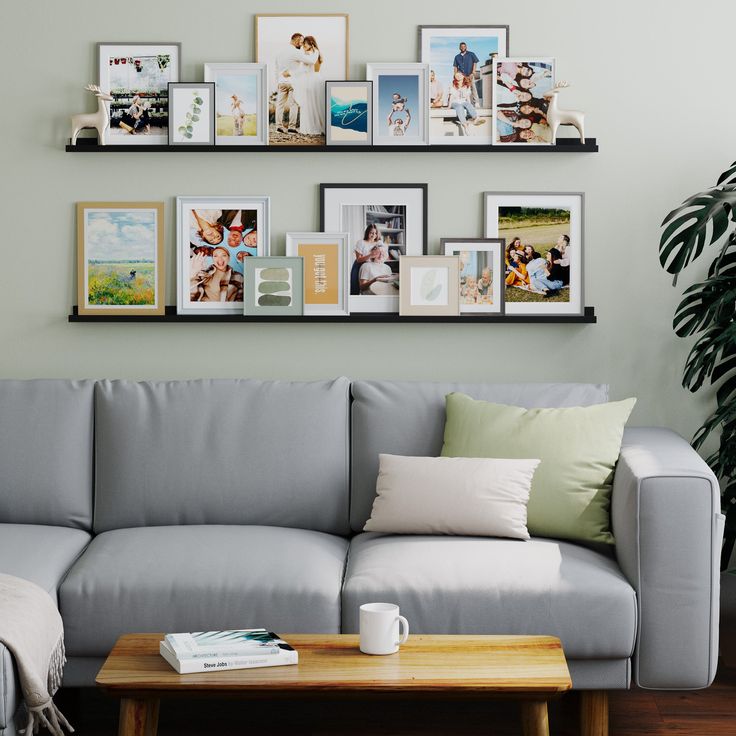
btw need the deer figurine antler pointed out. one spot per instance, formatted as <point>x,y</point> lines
<point>99,120</point>
<point>557,117</point>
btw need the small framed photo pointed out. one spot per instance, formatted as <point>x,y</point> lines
<point>430,286</point>
<point>543,257</point>
<point>349,115</point>
<point>215,237</point>
<point>383,222</point>
<point>301,51</point>
<point>519,102</point>
<point>481,273</point>
<point>120,257</point>
<point>137,75</point>
<point>241,103</point>
<point>192,114</point>
<point>461,78</point>
<point>400,104</point>
<point>326,278</point>
<point>273,286</point>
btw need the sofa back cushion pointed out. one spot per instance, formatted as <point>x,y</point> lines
<point>46,452</point>
<point>408,418</point>
<point>222,452</point>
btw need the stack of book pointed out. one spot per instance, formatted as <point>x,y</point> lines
<point>207,651</point>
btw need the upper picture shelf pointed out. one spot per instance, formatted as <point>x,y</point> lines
<point>564,145</point>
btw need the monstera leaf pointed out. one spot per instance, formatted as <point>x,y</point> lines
<point>699,221</point>
<point>708,310</point>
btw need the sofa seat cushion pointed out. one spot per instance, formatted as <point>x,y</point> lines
<point>41,554</point>
<point>471,585</point>
<point>199,578</point>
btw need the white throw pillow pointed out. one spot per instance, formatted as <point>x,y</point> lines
<point>484,497</point>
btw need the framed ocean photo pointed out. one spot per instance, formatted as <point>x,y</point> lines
<point>120,254</point>
<point>349,113</point>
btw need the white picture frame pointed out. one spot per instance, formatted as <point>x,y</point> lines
<point>404,86</point>
<point>254,211</point>
<point>498,204</point>
<point>146,57</point>
<point>352,208</point>
<point>239,79</point>
<point>308,245</point>
<point>438,45</point>
<point>506,101</point>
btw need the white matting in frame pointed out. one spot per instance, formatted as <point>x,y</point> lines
<point>217,214</point>
<point>241,103</point>
<point>572,202</point>
<point>352,207</point>
<point>326,287</point>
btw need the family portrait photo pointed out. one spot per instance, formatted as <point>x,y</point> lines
<point>215,239</point>
<point>542,256</point>
<point>461,85</point>
<point>400,93</point>
<point>301,52</point>
<point>521,101</point>
<point>383,222</point>
<point>349,113</point>
<point>480,272</point>
<point>240,103</point>
<point>120,257</point>
<point>137,77</point>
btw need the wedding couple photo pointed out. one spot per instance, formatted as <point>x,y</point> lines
<point>302,53</point>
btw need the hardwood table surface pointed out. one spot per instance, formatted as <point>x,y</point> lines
<point>458,665</point>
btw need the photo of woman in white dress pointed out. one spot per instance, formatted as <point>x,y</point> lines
<point>309,89</point>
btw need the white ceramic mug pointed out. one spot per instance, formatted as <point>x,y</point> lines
<point>379,628</point>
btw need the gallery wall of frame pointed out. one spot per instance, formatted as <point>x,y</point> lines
<point>370,261</point>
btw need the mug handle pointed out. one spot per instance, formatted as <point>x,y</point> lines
<point>405,624</point>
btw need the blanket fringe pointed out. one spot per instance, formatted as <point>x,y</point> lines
<point>53,719</point>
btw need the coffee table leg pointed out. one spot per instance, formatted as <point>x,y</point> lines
<point>534,718</point>
<point>138,717</point>
<point>594,713</point>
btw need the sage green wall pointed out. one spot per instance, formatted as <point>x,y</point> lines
<point>652,75</point>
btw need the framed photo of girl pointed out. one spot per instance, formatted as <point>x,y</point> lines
<point>543,259</point>
<point>384,222</point>
<point>520,101</point>
<point>301,53</point>
<point>215,236</point>
<point>326,280</point>
<point>400,107</point>
<point>120,258</point>
<point>241,103</point>
<point>481,273</point>
<point>461,78</point>
<point>137,75</point>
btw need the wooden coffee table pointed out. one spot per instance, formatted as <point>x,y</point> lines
<point>529,668</point>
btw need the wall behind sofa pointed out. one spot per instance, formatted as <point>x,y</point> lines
<point>652,77</point>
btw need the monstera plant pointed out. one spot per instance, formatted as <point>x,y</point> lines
<point>708,312</point>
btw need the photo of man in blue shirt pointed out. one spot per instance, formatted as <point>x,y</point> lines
<point>465,62</point>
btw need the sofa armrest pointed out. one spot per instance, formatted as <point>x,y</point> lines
<point>666,519</point>
<point>9,692</point>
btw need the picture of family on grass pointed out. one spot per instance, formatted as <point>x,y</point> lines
<point>219,243</point>
<point>538,253</point>
<point>520,102</point>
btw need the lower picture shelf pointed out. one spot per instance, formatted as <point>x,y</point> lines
<point>360,317</point>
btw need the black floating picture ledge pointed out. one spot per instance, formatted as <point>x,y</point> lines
<point>359,317</point>
<point>564,145</point>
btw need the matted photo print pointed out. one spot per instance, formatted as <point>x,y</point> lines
<point>543,257</point>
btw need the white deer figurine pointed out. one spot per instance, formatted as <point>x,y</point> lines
<point>99,119</point>
<point>557,117</point>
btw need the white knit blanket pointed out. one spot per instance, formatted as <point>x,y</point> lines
<point>31,628</point>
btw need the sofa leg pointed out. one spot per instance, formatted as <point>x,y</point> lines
<point>594,713</point>
<point>534,718</point>
<point>138,717</point>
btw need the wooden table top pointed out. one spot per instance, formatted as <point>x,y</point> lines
<point>452,665</point>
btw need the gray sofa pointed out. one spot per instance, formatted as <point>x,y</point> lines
<point>190,505</point>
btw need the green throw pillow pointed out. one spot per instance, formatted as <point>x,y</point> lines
<point>578,447</point>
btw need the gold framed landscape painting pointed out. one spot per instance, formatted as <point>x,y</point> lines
<point>120,258</point>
